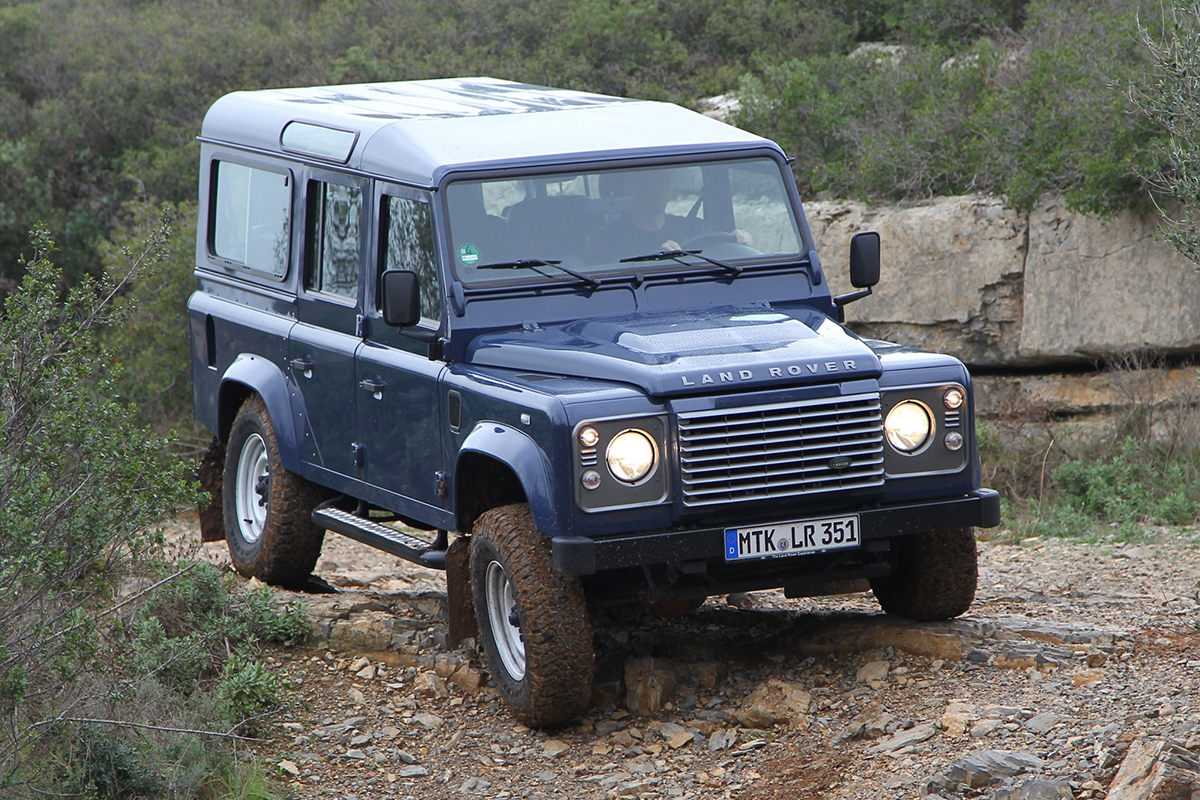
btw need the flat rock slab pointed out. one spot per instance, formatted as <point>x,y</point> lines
<point>984,767</point>
<point>1037,789</point>
<point>1005,642</point>
<point>1155,769</point>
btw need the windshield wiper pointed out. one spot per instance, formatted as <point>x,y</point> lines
<point>677,255</point>
<point>522,263</point>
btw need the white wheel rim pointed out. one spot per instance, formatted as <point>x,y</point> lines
<point>252,468</point>
<point>502,608</point>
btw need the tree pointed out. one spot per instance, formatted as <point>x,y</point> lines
<point>1170,98</point>
<point>81,488</point>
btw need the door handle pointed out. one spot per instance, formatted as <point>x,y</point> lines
<point>304,365</point>
<point>374,386</point>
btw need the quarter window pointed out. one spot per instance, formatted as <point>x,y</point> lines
<point>250,214</point>
<point>408,243</point>
<point>333,239</point>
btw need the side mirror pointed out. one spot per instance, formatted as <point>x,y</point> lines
<point>864,260</point>
<point>401,295</point>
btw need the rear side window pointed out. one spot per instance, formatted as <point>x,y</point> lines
<point>250,214</point>
<point>334,238</point>
<point>408,244</point>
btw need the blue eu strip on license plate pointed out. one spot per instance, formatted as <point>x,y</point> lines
<point>791,538</point>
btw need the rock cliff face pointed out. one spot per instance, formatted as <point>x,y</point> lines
<point>1000,288</point>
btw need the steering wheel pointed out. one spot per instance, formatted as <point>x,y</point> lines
<point>711,237</point>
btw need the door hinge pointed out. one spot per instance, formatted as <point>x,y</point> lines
<point>441,483</point>
<point>360,454</point>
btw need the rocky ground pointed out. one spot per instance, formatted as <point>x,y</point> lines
<point>1075,675</point>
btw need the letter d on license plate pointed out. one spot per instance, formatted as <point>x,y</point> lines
<point>791,538</point>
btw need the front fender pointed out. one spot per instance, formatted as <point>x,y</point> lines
<point>521,454</point>
<point>255,374</point>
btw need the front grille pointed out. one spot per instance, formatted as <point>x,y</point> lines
<point>780,450</point>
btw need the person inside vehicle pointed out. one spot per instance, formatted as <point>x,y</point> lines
<point>647,228</point>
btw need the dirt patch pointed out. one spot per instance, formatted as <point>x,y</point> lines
<point>1071,652</point>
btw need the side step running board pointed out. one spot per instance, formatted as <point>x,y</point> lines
<point>389,540</point>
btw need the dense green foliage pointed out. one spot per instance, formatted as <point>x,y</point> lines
<point>151,343</point>
<point>100,101</point>
<point>1170,98</point>
<point>105,655</point>
<point>1020,115</point>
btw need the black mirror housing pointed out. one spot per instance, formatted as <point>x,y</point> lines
<point>864,260</point>
<point>401,295</point>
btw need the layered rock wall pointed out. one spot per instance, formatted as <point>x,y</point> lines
<point>1001,288</point>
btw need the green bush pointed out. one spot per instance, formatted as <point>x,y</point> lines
<point>1137,484</point>
<point>105,654</point>
<point>953,116</point>
<point>265,622</point>
<point>1168,98</point>
<point>247,691</point>
<point>151,344</point>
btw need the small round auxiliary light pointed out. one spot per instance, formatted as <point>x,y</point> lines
<point>953,398</point>
<point>589,436</point>
<point>590,479</point>
<point>954,440</point>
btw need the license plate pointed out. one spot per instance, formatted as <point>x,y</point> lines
<point>791,538</point>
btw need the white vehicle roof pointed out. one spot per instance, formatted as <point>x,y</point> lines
<point>417,131</point>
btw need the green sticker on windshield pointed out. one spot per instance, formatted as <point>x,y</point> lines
<point>468,254</point>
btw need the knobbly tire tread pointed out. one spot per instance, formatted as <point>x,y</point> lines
<point>557,632</point>
<point>933,577</point>
<point>290,545</point>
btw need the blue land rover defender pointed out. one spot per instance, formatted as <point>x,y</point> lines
<point>575,350</point>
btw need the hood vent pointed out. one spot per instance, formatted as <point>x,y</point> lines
<point>454,410</point>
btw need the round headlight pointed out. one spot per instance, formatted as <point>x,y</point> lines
<point>907,426</point>
<point>631,455</point>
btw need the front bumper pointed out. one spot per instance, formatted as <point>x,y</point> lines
<point>579,555</point>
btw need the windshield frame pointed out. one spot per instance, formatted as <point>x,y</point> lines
<point>614,271</point>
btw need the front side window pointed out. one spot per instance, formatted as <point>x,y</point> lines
<point>594,221</point>
<point>250,217</point>
<point>408,244</point>
<point>334,239</point>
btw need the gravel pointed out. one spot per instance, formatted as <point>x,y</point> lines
<point>1071,652</point>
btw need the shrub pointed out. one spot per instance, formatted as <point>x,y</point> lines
<point>102,650</point>
<point>186,629</point>
<point>81,486</point>
<point>1168,97</point>
<point>1135,485</point>
<point>151,344</point>
<point>247,690</point>
<point>1021,117</point>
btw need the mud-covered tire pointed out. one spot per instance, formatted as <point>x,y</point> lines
<point>933,576</point>
<point>543,664</point>
<point>268,510</point>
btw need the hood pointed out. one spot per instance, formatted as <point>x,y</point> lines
<point>693,352</point>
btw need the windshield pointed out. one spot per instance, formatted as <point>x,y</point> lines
<point>557,227</point>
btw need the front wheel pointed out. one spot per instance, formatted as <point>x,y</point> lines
<point>268,510</point>
<point>933,575</point>
<point>533,621</point>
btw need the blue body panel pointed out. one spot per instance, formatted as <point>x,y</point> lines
<point>509,373</point>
